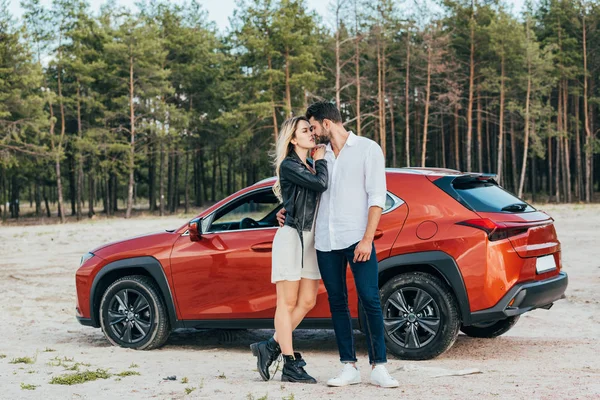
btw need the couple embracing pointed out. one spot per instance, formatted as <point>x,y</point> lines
<point>331,209</point>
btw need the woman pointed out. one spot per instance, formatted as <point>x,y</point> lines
<point>294,260</point>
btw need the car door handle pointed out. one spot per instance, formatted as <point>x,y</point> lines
<point>378,234</point>
<point>262,247</point>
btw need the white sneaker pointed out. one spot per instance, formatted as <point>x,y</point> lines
<point>349,376</point>
<point>381,377</point>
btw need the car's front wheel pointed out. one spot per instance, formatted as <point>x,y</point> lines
<point>490,329</point>
<point>133,314</point>
<point>421,317</point>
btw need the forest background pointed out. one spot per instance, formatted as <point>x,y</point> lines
<point>122,112</point>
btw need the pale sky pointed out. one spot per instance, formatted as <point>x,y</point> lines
<point>219,10</point>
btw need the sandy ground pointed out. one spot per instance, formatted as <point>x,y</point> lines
<point>548,355</point>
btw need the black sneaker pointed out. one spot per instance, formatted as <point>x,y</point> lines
<point>293,370</point>
<point>266,352</point>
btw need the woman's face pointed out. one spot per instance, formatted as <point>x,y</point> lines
<point>304,137</point>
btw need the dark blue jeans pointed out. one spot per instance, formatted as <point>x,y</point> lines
<point>333,266</point>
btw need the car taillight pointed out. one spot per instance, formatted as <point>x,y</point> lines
<point>495,230</point>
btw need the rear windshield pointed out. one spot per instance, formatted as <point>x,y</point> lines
<point>484,196</point>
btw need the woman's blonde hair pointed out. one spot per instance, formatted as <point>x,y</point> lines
<point>283,147</point>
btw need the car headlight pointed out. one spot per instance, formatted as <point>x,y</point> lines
<point>85,257</point>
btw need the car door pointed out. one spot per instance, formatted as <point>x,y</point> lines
<point>227,274</point>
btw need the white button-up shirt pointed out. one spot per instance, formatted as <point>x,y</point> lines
<point>356,183</point>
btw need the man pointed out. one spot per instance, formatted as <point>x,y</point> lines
<point>347,217</point>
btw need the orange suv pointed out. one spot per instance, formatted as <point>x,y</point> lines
<point>455,250</point>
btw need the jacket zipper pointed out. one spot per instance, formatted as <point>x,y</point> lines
<point>304,209</point>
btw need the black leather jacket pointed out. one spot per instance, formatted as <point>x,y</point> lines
<point>301,191</point>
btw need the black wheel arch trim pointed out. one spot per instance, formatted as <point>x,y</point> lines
<point>149,264</point>
<point>445,265</point>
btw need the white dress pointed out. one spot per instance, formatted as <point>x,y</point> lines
<point>286,260</point>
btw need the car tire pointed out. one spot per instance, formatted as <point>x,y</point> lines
<point>431,322</point>
<point>133,314</point>
<point>490,329</point>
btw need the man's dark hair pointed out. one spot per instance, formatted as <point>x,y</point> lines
<point>322,110</point>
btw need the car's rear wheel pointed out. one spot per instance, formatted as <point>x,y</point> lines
<point>133,314</point>
<point>490,329</point>
<point>421,318</point>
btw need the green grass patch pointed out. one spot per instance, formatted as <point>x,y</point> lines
<point>134,365</point>
<point>189,390</point>
<point>128,373</point>
<point>80,377</point>
<point>184,379</point>
<point>48,350</point>
<point>250,396</point>
<point>2,356</point>
<point>27,386</point>
<point>22,360</point>
<point>222,376</point>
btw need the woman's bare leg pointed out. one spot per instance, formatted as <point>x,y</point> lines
<point>287,297</point>
<point>307,298</point>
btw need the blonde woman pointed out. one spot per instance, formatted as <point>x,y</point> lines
<point>295,271</point>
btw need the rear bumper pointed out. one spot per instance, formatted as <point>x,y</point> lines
<point>525,297</point>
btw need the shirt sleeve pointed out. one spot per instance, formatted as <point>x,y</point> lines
<point>375,177</point>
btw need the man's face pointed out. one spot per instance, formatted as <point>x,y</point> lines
<point>321,133</point>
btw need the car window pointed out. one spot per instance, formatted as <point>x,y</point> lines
<point>486,196</point>
<point>392,202</point>
<point>254,211</point>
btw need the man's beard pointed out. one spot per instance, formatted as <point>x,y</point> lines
<point>325,138</point>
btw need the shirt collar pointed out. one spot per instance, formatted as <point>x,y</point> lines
<point>351,141</point>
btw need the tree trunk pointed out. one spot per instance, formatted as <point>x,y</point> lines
<point>229,174</point>
<point>273,109</point>
<point>407,102</point>
<point>426,120</point>
<point>48,214</point>
<point>479,127</point>
<point>161,177</point>
<point>471,87</point>
<point>586,117</point>
<point>221,182</point>
<point>105,196</point>
<point>152,175</point>
<point>393,129</point>
<point>443,140</point>
<point>558,146</point>
<point>513,155</point>
<point>550,167</point>
<point>579,178</point>
<point>567,155</point>
<point>501,126</point>
<point>338,68</point>
<point>79,157</point>
<point>58,150</point>
<point>176,168</point>
<point>357,77</point>
<point>91,191</point>
<point>456,139</point>
<point>132,142</point>
<point>186,182</point>
<point>288,91</point>
<point>214,176</point>
<point>379,135</point>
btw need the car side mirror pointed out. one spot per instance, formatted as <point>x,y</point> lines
<point>195,229</point>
